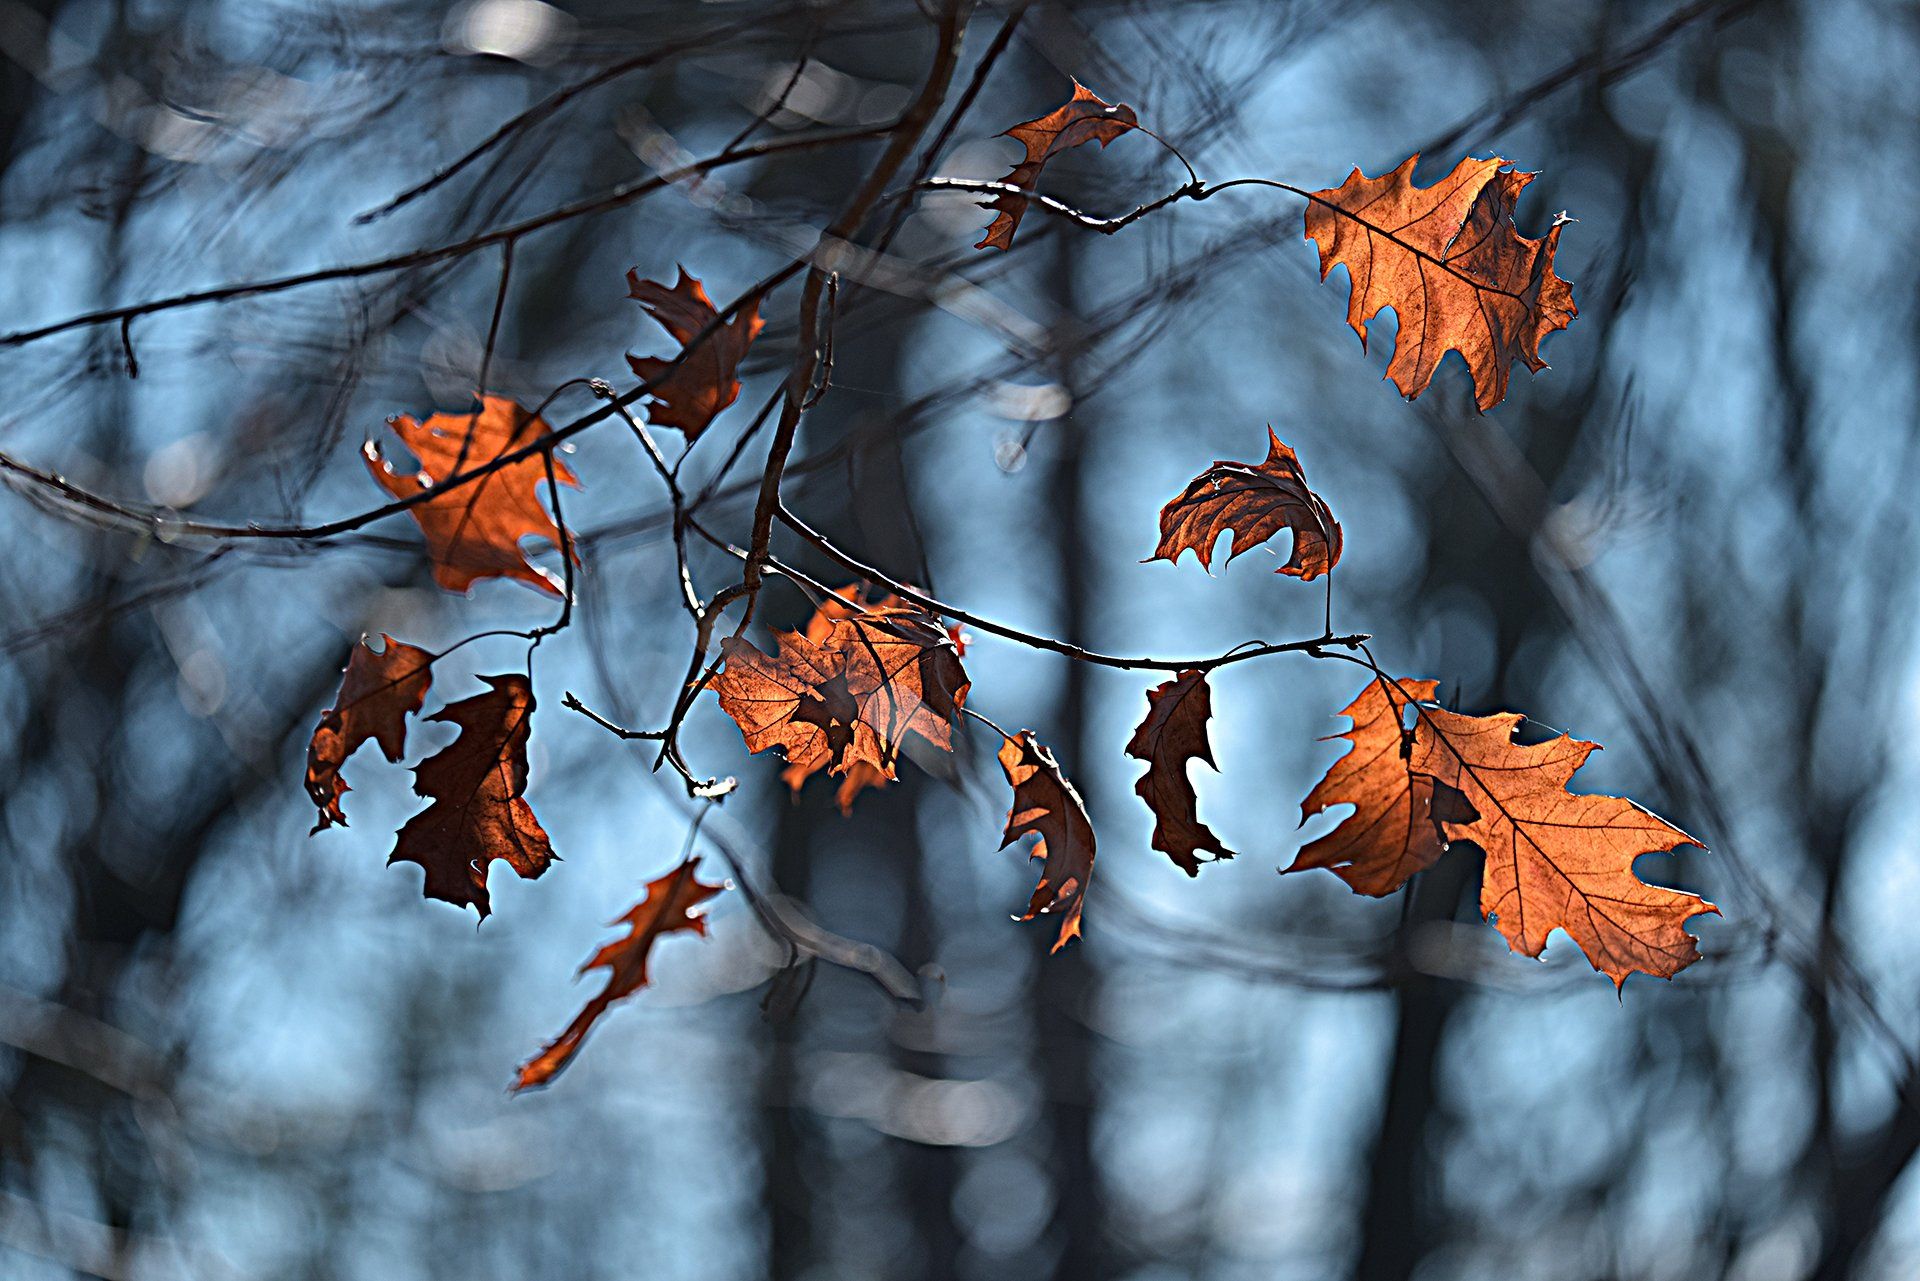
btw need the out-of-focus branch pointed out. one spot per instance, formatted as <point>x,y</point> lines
<point>624,194</point>
<point>904,134</point>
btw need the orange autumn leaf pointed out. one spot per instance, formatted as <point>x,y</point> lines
<point>1255,502</point>
<point>1173,733</point>
<point>1046,804</point>
<point>479,812</point>
<point>1393,831</point>
<point>668,908</point>
<point>475,531</point>
<point>378,691</point>
<point>1554,859</point>
<point>1084,118</point>
<point>794,699</point>
<point>849,697</point>
<point>692,395</point>
<point>1450,262</point>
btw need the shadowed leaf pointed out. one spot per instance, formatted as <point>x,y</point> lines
<point>845,692</point>
<point>1173,733</point>
<point>479,813</point>
<point>1046,804</point>
<point>692,395</point>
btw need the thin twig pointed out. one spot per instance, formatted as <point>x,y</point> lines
<point>624,194</point>
<point>1317,646</point>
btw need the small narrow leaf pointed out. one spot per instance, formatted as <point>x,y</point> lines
<point>1174,733</point>
<point>1046,804</point>
<point>1084,118</point>
<point>668,907</point>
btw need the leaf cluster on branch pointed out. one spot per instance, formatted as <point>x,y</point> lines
<point>878,667</point>
<point>880,661</point>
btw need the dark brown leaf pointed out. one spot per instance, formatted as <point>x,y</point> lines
<point>707,382</point>
<point>477,785</point>
<point>1173,733</point>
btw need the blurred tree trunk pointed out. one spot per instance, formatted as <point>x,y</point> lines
<point>1066,985</point>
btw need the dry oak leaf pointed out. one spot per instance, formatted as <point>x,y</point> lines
<point>1084,118</point>
<point>1394,830</point>
<point>844,603</point>
<point>475,531</point>
<point>849,697</point>
<point>477,785</point>
<point>668,908</point>
<point>847,602</point>
<point>1173,733</point>
<point>1046,804</point>
<point>692,395</point>
<point>1255,502</point>
<point>1556,860</point>
<point>379,690</point>
<point>1451,264</point>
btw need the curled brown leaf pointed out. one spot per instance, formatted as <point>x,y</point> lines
<point>378,691</point>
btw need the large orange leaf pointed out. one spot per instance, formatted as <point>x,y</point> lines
<point>1556,860</point>
<point>1393,831</point>
<point>669,907</point>
<point>1255,502</point>
<point>379,690</point>
<point>1084,118</point>
<point>849,694</point>
<point>475,531</point>
<point>1174,733</point>
<point>1046,804</point>
<point>1449,261</point>
<point>477,785</point>
<point>708,381</point>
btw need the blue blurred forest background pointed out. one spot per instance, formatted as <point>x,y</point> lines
<point>231,1050</point>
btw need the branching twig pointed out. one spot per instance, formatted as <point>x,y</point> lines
<point>1314,646</point>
